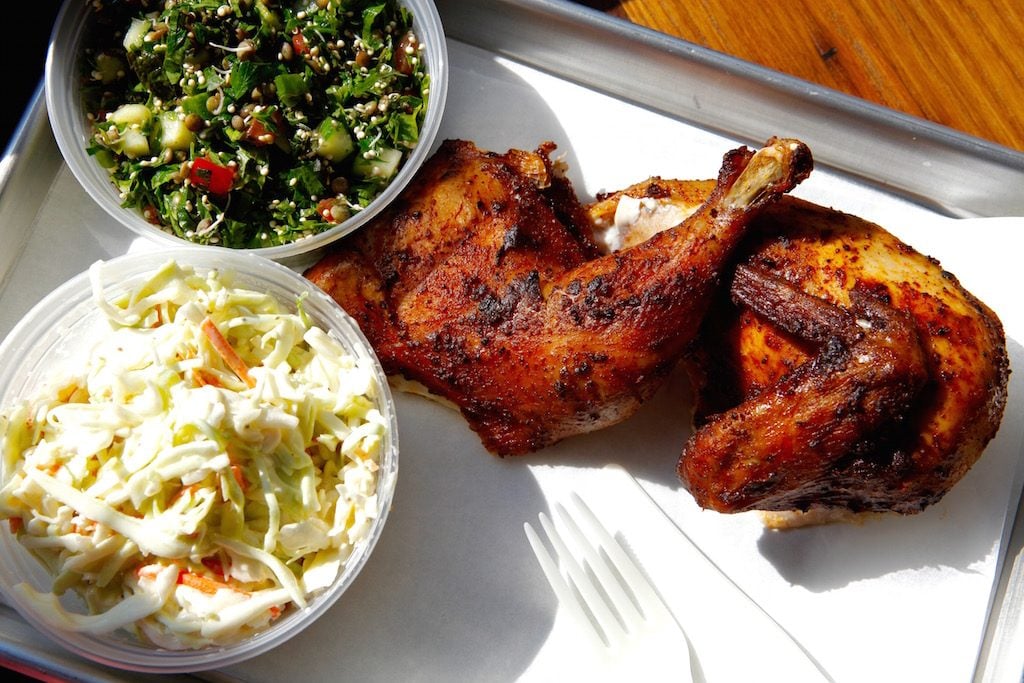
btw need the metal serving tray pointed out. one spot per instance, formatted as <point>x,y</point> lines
<point>961,175</point>
<point>886,157</point>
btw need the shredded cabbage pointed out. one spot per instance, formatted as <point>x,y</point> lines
<point>210,464</point>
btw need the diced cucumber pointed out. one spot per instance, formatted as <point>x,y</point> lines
<point>335,142</point>
<point>131,114</point>
<point>135,33</point>
<point>174,134</point>
<point>105,158</point>
<point>134,143</point>
<point>383,167</point>
<point>109,68</point>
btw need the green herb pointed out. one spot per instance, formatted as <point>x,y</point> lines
<point>291,88</point>
<point>305,104</point>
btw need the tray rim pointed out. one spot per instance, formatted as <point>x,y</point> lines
<point>588,26</point>
<point>980,175</point>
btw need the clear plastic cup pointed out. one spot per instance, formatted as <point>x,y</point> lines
<point>51,335</point>
<point>72,131</point>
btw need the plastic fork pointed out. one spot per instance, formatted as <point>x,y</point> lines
<point>609,597</point>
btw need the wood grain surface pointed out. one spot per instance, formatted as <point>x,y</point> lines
<point>959,63</point>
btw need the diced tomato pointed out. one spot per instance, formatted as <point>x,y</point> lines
<point>151,215</point>
<point>258,134</point>
<point>299,43</point>
<point>332,210</point>
<point>324,207</point>
<point>213,177</point>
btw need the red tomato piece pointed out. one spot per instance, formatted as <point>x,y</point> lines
<point>324,207</point>
<point>213,177</point>
<point>214,564</point>
<point>258,134</point>
<point>151,214</point>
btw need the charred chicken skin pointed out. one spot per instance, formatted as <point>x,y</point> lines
<point>911,461</point>
<point>797,410</point>
<point>797,443</point>
<point>482,284</point>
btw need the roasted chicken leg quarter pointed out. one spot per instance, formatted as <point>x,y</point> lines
<point>837,371</point>
<point>482,284</point>
<point>910,461</point>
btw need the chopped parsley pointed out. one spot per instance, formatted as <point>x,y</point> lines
<point>252,123</point>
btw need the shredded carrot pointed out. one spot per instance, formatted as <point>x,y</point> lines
<point>243,483</point>
<point>147,571</point>
<point>191,488</point>
<point>16,524</point>
<point>202,378</point>
<point>275,612</point>
<point>205,584</point>
<point>159,318</point>
<point>224,349</point>
<point>237,470</point>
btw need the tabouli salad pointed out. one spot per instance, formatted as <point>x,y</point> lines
<point>211,466</point>
<point>252,123</point>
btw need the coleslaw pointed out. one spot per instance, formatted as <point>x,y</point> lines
<point>210,464</point>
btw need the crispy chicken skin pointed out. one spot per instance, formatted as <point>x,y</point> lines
<point>482,284</point>
<point>743,355</point>
<point>764,346</point>
<point>797,443</point>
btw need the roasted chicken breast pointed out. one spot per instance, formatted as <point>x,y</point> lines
<point>797,411</point>
<point>482,284</point>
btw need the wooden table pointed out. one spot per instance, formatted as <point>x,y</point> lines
<point>959,63</point>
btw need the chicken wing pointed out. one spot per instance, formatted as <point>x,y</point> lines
<point>797,444</point>
<point>482,284</point>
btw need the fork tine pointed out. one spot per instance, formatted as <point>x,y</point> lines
<point>603,589</point>
<point>611,584</point>
<point>648,599</point>
<point>562,590</point>
<point>592,597</point>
